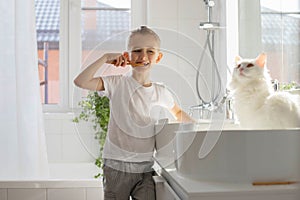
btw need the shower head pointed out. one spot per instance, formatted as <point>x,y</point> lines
<point>209,24</point>
<point>209,3</point>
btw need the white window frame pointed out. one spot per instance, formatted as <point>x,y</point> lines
<point>69,54</point>
<point>238,23</point>
<point>70,49</point>
<point>232,37</point>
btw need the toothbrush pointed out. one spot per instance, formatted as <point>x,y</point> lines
<point>132,64</point>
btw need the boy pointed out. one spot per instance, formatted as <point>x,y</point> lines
<point>130,140</point>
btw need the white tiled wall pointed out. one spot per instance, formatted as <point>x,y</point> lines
<point>53,189</point>
<point>26,194</point>
<point>62,194</point>
<point>51,194</point>
<point>182,19</point>
<point>3,194</point>
<point>68,141</point>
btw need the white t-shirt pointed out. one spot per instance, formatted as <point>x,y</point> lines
<point>134,109</point>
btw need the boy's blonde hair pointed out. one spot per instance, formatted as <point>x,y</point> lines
<point>143,30</point>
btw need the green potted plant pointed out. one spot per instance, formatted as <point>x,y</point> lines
<point>291,87</point>
<point>95,108</point>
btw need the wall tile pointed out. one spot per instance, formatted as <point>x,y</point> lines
<point>74,171</point>
<point>192,9</point>
<point>68,127</point>
<point>190,58</point>
<point>190,27</point>
<point>73,149</point>
<point>166,9</point>
<point>54,148</point>
<point>26,194</point>
<point>94,194</point>
<point>3,194</point>
<point>83,128</point>
<point>63,143</point>
<point>168,38</point>
<point>90,143</point>
<point>66,193</point>
<point>161,72</point>
<point>53,126</point>
<point>187,93</point>
<point>164,23</point>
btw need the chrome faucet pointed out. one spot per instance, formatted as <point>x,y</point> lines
<point>205,109</point>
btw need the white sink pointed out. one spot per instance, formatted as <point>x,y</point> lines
<point>238,156</point>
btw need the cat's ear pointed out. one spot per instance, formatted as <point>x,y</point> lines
<point>261,60</point>
<point>237,59</point>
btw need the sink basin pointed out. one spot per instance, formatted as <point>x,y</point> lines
<point>238,155</point>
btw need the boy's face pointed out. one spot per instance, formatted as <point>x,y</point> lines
<point>144,50</point>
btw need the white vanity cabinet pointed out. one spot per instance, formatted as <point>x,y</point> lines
<point>171,186</point>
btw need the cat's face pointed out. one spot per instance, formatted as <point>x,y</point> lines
<point>247,70</point>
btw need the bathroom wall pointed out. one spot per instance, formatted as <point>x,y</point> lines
<point>177,23</point>
<point>68,141</point>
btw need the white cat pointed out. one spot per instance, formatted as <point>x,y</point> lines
<point>256,104</point>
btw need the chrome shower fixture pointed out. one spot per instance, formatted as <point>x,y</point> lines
<point>209,24</point>
<point>215,102</point>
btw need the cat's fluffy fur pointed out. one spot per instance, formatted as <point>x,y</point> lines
<point>256,104</point>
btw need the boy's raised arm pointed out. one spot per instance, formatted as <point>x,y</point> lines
<point>86,79</point>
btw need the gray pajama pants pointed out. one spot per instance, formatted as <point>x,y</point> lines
<point>122,180</point>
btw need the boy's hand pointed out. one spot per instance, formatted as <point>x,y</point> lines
<point>117,59</point>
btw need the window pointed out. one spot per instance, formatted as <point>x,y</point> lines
<point>47,27</point>
<point>103,20</point>
<point>68,32</point>
<point>104,25</point>
<point>280,23</point>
